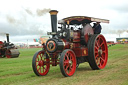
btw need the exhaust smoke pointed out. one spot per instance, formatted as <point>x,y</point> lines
<point>42,12</point>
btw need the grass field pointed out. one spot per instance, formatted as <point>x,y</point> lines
<point>18,71</point>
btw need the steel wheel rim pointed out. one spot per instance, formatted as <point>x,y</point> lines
<point>42,64</point>
<point>69,63</point>
<point>101,52</point>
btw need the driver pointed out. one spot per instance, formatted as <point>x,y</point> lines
<point>97,28</point>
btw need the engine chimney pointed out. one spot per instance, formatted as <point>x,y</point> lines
<point>53,14</point>
<point>7,35</point>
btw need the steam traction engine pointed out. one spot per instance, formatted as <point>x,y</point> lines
<point>74,43</point>
<point>8,49</point>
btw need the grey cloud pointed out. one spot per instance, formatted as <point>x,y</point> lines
<point>120,6</point>
<point>26,24</point>
<point>118,12</point>
<point>33,29</point>
<point>110,30</point>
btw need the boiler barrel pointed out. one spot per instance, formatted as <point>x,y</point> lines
<point>53,45</point>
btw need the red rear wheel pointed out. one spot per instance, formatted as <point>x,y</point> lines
<point>41,63</point>
<point>97,52</point>
<point>68,63</point>
<point>8,53</point>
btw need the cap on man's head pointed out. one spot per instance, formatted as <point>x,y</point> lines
<point>98,22</point>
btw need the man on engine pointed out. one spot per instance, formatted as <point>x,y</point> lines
<point>97,28</point>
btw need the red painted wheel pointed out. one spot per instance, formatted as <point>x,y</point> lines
<point>68,63</point>
<point>8,53</point>
<point>41,63</point>
<point>97,52</point>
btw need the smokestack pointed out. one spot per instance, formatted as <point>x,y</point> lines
<point>53,14</point>
<point>7,35</point>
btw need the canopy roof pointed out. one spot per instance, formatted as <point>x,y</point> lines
<point>81,20</point>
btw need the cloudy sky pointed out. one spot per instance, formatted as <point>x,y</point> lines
<point>28,19</point>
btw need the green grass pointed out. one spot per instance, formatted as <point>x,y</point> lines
<point>18,71</point>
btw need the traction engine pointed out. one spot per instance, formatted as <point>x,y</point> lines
<point>73,43</point>
<point>8,49</point>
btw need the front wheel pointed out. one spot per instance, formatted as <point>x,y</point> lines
<point>41,63</point>
<point>68,63</point>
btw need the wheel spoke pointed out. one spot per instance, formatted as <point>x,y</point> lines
<point>99,64</point>
<point>43,69</point>
<point>96,48</point>
<point>66,62</point>
<point>37,61</point>
<point>97,44</point>
<point>96,56</point>
<point>101,44</point>
<point>103,51</point>
<point>97,60</point>
<point>66,67</point>
<point>70,56</point>
<point>70,68</point>
<point>39,68</point>
<point>96,51</point>
<point>100,40</point>
<point>102,59</point>
<point>67,56</point>
<point>41,57</point>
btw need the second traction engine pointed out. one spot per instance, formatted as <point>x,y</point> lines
<point>8,49</point>
<point>74,43</point>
